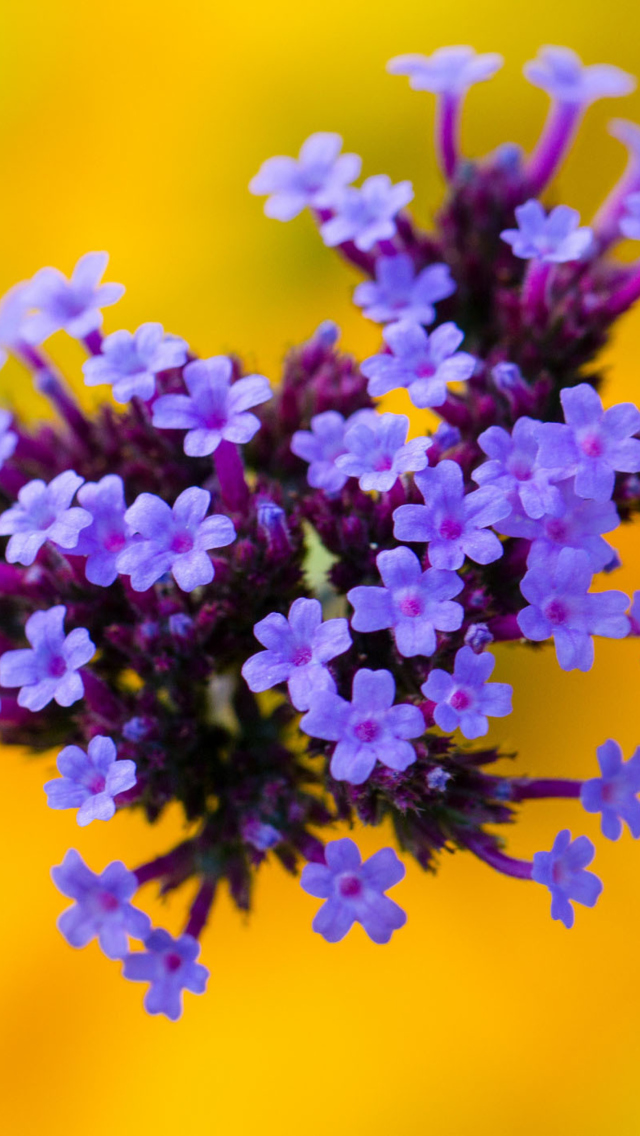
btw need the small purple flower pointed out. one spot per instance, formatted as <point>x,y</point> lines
<point>477,636</point>
<point>354,892</point>
<point>630,221</point>
<point>574,523</point>
<point>615,793</point>
<point>170,966</point>
<point>413,603</point>
<point>366,215</point>
<point>102,907</point>
<point>323,443</point>
<point>318,176</point>
<point>561,607</point>
<point>455,525</point>
<point>367,729</point>
<point>108,532</point>
<point>8,438</point>
<point>130,363</point>
<point>397,293</point>
<point>594,444</point>
<point>449,71</point>
<point>48,669</point>
<point>90,781</point>
<point>261,836</point>
<point>513,468</point>
<point>422,363</point>
<point>562,870</point>
<point>465,699</point>
<point>552,239</point>
<point>173,540</point>
<point>73,305</point>
<point>438,779</point>
<point>43,513</point>
<point>215,408</point>
<point>563,75</point>
<point>377,451</point>
<point>298,648</point>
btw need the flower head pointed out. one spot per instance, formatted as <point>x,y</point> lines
<point>366,215</point>
<point>422,363</point>
<point>465,699</point>
<point>173,540</point>
<point>8,437</point>
<point>130,363</point>
<point>513,468</point>
<point>630,221</point>
<point>615,793</point>
<point>90,780</point>
<point>562,870</point>
<point>49,668</point>
<point>298,648</point>
<point>108,532</point>
<point>43,512</point>
<point>170,966</point>
<point>323,443</point>
<point>367,729</point>
<point>455,525</point>
<point>552,239</point>
<point>413,603</point>
<point>563,75</point>
<point>72,305</point>
<point>102,909</point>
<point>354,892</point>
<point>316,178</point>
<point>398,293</point>
<point>215,409</point>
<point>377,451</point>
<point>448,71</point>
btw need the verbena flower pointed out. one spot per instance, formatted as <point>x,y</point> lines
<point>74,305</point>
<point>422,363</point>
<point>562,870</point>
<point>615,793</point>
<point>573,523</point>
<point>354,892</point>
<point>449,70</point>
<point>376,451</point>
<point>102,909</point>
<point>399,293</point>
<point>90,780</point>
<point>48,670</point>
<point>169,966</point>
<point>563,75</point>
<point>552,239</point>
<point>318,176</point>
<point>43,512</point>
<point>130,363</point>
<point>513,468</point>
<point>465,699</point>
<point>367,214</point>
<point>324,443</point>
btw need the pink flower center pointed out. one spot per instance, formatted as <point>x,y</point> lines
<point>115,541</point>
<point>450,529</point>
<point>592,446</point>
<point>367,731</point>
<point>181,543</point>
<point>411,605</point>
<point>107,901</point>
<point>383,462</point>
<point>172,962</point>
<point>57,667</point>
<point>96,783</point>
<point>349,886</point>
<point>302,656</point>
<point>556,530</point>
<point>460,700</point>
<point>521,472</point>
<point>556,612</point>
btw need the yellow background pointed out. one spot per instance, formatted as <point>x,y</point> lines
<point>135,126</point>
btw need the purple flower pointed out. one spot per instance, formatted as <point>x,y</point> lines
<point>575,523</point>
<point>90,781</point>
<point>215,408</point>
<point>366,215</point>
<point>354,892</point>
<point>594,443</point>
<point>561,607</point>
<point>377,451</point>
<point>513,468</point>
<point>108,532</point>
<point>552,239</point>
<point>102,907</point>
<point>413,603</point>
<point>13,309</point>
<point>630,222</point>
<point>367,729</point>
<point>48,669</point>
<point>73,305</point>
<point>260,836</point>
<point>170,966</point>
<point>130,363</point>
<point>449,71</point>
<point>8,439</point>
<point>422,363</point>
<point>614,794</point>
<point>321,445</point>
<point>563,75</point>
<point>562,870</point>
<point>454,524</point>
<point>465,699</point>
<point>477,636</point>
<point>298,648</point>
<point>318,176</point>
<point>43,513</point>
<point>397,293</point>
<point>173,540</point>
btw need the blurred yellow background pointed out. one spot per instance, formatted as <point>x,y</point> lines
<point>135,126</point>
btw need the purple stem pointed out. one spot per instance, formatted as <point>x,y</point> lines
<point>230,471</point>
<point>93,342</point>
<point>484,850</point>
<point>542,788</point>
<point>447,130</point>
<point>535,289</point>
<point>505,628</point>
<point>625,296</point>
<point>200,909</point>
<point>11,481</point>
<point>557,135</point>
<point>606,223</point>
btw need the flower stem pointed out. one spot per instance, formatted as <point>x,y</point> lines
<point>230,471</point>
<point>555,140</point>
<point>484,848</point>
<point>447,131</point>
<point>200,908</point>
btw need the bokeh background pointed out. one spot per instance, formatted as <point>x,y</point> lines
<point>135,126</point>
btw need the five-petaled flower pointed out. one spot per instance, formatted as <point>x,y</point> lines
<point>377,451</point>
<point>366,215</point>
<point>615,793</point>
<point>107,535</point>
<point>563,75</point>
<point>49,668</point>
<point>513,467</point>
<point>466,699</point>
<point>72,305</point>
<point>562,870</point>
<point>422,363</point>
<point>90,780</point>
<point>354,892</point>
<point>170,966</point>
<point>43,512</point>
<point>316,178</point>
<point>130,363</point>
<point>367,729</point>
<point>299,647</point>
<point>448,71</point>
<point>552,239</point>
<point>323,443</point>
<point>102,907</point>
<point>398,293</point>
<point>574,523</point>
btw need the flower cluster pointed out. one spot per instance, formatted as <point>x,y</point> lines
<point>154,547</point>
